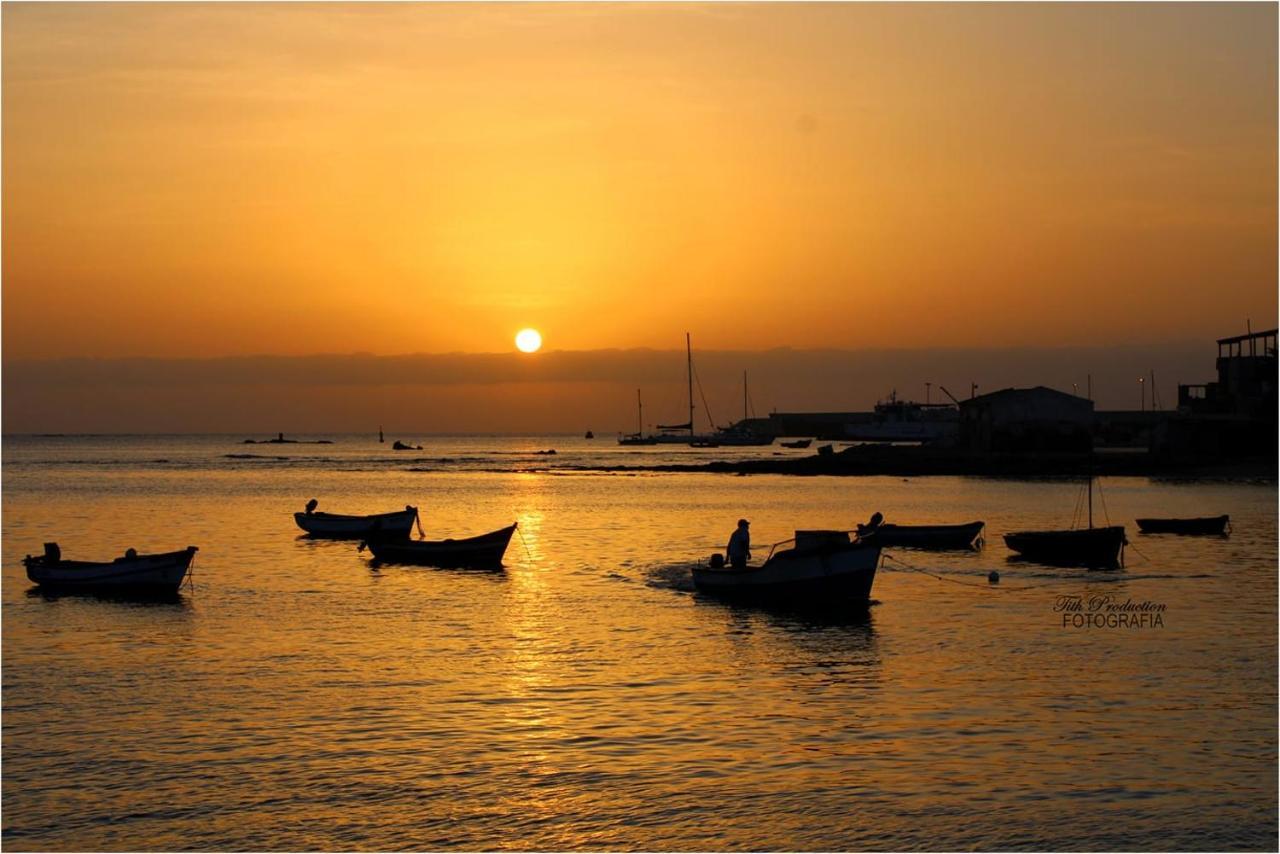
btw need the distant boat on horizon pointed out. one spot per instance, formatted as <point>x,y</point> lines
<point>669,434</point>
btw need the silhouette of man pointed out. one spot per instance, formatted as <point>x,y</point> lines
<point>739,548</point>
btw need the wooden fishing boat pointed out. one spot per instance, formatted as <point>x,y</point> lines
<point>1204,526</point>
<point>937,537</point>
<point>484,551</point>
<point>821,567</point>
<point>1097,548</point>
<point>1093,547</point>
<point>337,526</point>
<point>154,573</point>
<point>799,443</point>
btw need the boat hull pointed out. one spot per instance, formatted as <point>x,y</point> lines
<point>1100,548</point>
<point>1205,526</point>
<point>482,552</point>
<point>155,573</point>
<point>336,526</point>
<point>828,576</point>
<point>934,537</point>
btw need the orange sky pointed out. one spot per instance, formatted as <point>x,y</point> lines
<point>205,180</point>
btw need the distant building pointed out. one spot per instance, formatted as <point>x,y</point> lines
<point>1019,420</point>
<point>1235,416</point>
<point>1246,383</point>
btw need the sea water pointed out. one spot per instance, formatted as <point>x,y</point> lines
<point>296,697</point>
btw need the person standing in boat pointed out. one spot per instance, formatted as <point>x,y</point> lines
<point>739,549</point>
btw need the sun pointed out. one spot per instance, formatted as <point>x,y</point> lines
<point>528,341</point>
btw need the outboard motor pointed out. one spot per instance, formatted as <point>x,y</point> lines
<point>717,561</point>
<point>311,506</point>
<point>875,521</point>
<point>52,554</point>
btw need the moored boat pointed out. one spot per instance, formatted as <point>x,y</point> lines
<point>338,526</point>
<point>1092,547</point>
<point>938,537</point>
<point>1207,525</point>
<point>1097,548</point>
<point>481,552</point>
<point>799,443</point>
<point>153,573</point>
<point>821,568</point>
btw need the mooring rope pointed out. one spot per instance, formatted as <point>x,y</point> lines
<point>989,586</point>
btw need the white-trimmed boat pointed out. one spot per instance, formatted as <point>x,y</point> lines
<point>154,573</point>
<point>820,567</point>
<point>338,526</point>
<point>481,552</point>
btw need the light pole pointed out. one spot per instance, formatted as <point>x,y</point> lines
<point>1142,395</point>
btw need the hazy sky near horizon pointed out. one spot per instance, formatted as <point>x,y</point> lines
<point>204,180</point>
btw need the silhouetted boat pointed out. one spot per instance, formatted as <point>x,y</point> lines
<point>668,434</point>
<point>799,443</point>
<point>397,445</point>
<point>822,567</point>
<point>737,436</point>
<point>341,527</point>
<point>154,573</point>
<point>1099,548</point>
<point>1094,547</point>
<point>939,537</point>
<point>590,435</point>
<point>484,551</point>
<point>1208,525</point>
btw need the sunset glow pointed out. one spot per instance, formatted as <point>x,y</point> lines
<point>528,340</point>
<point>959,173</point>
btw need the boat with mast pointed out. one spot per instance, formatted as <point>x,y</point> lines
<point>668,434</point>
<point>737,435</point>
<point>1096,548</point>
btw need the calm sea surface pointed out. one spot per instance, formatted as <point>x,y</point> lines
<point>586,697</point>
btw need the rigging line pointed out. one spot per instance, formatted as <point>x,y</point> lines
<point>1105,514</point>
<point>707,409</point>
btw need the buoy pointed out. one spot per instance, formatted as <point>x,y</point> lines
<point>993,577</point>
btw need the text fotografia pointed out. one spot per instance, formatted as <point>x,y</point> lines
<point>1104,612</point>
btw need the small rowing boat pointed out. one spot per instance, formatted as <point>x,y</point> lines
<point>482,552</point>
<point>821,567</point>
<point>935,537</point>
<point>1205,525</point>
<point>153,573</point>
<point>338,526</point>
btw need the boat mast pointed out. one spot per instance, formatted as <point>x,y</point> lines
<point>688,348</point>
<point>639,414</point>
<point>744,395</point>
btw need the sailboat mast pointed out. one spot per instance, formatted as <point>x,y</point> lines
<point>688,349</point>
<point>744,395</point>
<point>639,414</point>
